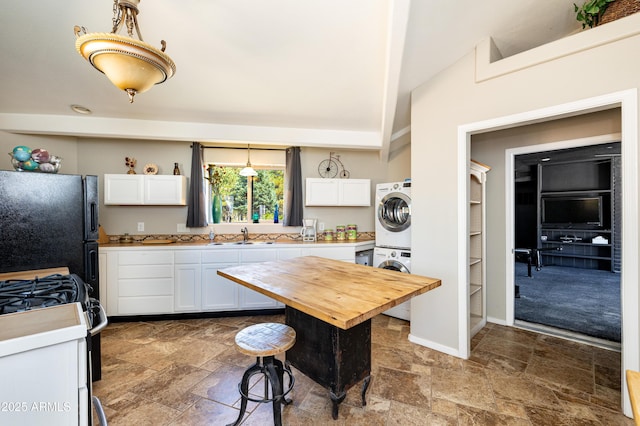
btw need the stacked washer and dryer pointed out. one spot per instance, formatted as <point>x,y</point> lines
<point>393,234</point>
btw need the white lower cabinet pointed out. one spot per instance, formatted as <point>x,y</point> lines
<point>163,280</point>
<point>251,299</point>
<point>140,282</point>
<point>187,281</point>
<point>218,293</point>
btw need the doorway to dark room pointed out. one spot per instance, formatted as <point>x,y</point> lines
<point>568,242</point>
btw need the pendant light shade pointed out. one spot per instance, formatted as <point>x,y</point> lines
<point>130,64</point>
<point>248,171</point>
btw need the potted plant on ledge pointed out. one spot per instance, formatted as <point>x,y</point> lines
<point>596,12</point>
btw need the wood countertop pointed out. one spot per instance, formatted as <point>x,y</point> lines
<point>340,293</point>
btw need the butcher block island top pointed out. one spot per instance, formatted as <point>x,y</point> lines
<point>340,293</point>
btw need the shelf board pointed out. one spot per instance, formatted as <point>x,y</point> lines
<point>474,288</point>
<point>576,243</point>
<point>475,233</point>
<point>576,192</point>
<point>580,256</point>
<point>474,260</point>
<point>475,202</point>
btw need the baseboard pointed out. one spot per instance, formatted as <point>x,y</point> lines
<point>497,321</point>
<point>435,346</point>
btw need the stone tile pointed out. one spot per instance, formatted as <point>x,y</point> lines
<point>511,408</point>
<point>563,354</point>
<point>150,353</point>
<point>506,348</point>
<point>131,409</point>
<point>206,412</point>
<point>514,335</point>
<point>521,389</point>
<point>391,357</point>
<point>221,385</point>
<point>606,357</point>
<point>409,415</point>
<point>192,352</point>
<point>561,374</point>
<point>171,386</point>
<point>401,386</point>
<point>498,362</point>
<point>608,377</point>
<point>462,388</point>
<point>547,416</point>
<point>475,416</point>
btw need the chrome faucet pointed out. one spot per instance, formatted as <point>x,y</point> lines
<point>245,234</point>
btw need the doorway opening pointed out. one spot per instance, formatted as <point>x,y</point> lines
<point>567,208</point>
<point>501,292</point>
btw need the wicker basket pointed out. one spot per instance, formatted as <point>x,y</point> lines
<point>619,9</point>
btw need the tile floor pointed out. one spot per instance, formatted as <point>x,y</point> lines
<point>185,372</point>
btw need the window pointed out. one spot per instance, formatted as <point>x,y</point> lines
<point>248,199</point>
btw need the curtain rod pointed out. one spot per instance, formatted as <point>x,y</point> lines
<point>234,147</point>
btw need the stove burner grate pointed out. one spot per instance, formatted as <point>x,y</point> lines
<point>23,295</point>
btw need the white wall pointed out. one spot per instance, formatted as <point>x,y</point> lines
<point>453,99</point>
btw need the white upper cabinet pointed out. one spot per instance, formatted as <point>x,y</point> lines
<point>338,192</point>
<point>158,190</point>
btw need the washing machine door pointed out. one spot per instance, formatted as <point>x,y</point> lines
<point>394,265</point>
<point>394,212</point>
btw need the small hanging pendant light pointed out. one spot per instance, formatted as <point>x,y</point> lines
<point>248,171</point>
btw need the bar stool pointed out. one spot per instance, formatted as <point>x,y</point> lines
<point>264,341</point>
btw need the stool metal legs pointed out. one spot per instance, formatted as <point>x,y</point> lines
<point>273,371</point>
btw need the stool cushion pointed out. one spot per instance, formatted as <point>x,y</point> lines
<point>265,339</point>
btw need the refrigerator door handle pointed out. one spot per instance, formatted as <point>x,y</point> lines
<point>94,217</point>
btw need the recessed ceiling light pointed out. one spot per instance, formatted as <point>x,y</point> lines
<point>80,109</point>
<point>545,159</point>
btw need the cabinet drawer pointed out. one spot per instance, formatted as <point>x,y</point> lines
<point>221,256</point>
<point>145,271</point>
<point>186,257</point>
<point>289,253</point>
<point>253,256</point>
<point>145,258</point>
<point>338,253</point>
<point>145,287</point>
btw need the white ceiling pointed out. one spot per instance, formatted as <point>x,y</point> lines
<point>304,72</point>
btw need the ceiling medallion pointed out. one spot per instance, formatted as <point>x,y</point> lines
<point>131,64</point>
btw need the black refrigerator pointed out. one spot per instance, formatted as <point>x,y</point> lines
<point>48,221</point>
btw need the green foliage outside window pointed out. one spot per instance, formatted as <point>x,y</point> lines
<point>267,190</point>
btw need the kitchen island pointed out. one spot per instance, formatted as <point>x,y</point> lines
<point>330,305</point>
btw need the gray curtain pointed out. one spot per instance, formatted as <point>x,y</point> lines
<point>196,213</point>
<point>293,192</point>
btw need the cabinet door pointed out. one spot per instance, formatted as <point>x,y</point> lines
<point>321,192</point>
<point>354,192</point>
<point>250,299</point>
<point>338,192</point>
<point>165,190</point>
<point>187,288</point>
<point>123,189</point>
<point>218,293</point>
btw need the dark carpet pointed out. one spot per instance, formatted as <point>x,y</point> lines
<point>584,301</point>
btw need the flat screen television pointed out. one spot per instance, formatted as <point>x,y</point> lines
<point>576,212</point>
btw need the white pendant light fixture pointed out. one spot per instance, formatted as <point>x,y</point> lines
<point>131,64</point>
<point>248,171</point>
